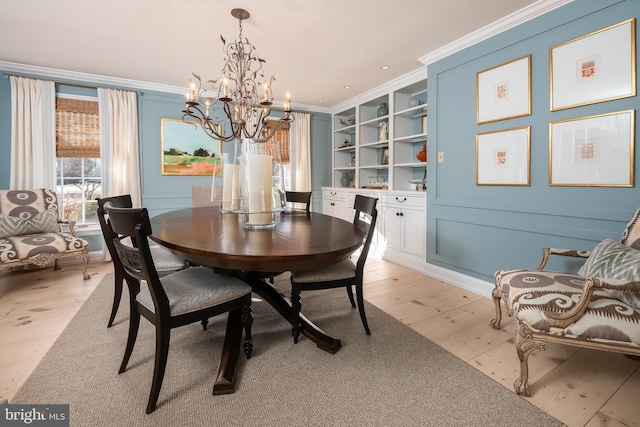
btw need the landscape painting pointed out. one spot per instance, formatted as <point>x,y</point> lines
<point>188,151</point>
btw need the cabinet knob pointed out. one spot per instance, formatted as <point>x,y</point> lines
<point>401,214</point>
<point>333,194</point>
<point>333,204</point>
<point>404,199</point>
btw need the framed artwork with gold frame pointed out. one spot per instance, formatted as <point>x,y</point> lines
<point>504,91</point>
<point>187,151</point>
<point>592,151</point>
<point>503,157</point>
<point>596,67</point>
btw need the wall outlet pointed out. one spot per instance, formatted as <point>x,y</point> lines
<point>440,156</point>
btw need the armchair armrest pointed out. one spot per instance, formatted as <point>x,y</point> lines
<point>562,320</point>
<point>560,252</point>
<point>71,224</point>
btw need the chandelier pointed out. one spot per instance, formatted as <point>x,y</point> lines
<point>245,102</point>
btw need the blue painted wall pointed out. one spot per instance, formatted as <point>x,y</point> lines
<point>161,193</point>
<point>478,230</point>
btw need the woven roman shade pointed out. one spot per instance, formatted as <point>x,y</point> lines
<point>77,128</point>
<point>282,137</point>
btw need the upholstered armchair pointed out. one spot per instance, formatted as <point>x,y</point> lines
<point>31,233</point>
<point>598,308</point>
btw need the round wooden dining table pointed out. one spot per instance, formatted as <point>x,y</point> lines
<point>298,242</point>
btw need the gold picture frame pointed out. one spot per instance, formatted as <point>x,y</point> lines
<point>187,151</point>
<point>593,151</point>
<point>503,157</point>
<point>588,69</point>
<point>504,91</point>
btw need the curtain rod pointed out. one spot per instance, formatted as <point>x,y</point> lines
<point>71,83</point>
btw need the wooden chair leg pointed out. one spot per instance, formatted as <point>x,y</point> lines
<point>134,325</point>
<point>117,295</point>
<point>162,351</point>
<point>363,316</point>
<point>247,322</point>
<point>296,306</point>
<point>350,293</point>
<point>204,323</point>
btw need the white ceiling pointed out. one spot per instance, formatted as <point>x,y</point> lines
<point>314,48</point>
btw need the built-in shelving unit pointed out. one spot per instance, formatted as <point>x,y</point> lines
<point>375,143</point>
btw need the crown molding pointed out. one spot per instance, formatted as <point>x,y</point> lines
<point>71,77</point>
<point>519,17</point>
<point>397,83</point>
<point>503,24</point>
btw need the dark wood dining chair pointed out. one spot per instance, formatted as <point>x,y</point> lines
<point>186,296</point>
<point>344,274</point>
<point>302,197</point>
<point>165,261</point>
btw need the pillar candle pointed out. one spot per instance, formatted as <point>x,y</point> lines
<point>230,187</point>
<point>259,181</point>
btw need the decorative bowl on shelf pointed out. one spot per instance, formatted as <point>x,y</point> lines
<point>422,155</point>
<point>420,184</point>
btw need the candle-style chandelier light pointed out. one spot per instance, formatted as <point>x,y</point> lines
<point>246,103</point>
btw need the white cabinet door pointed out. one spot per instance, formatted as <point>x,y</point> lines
<point>334,203</point>
<point>413,233</point>
<point>404,223</point>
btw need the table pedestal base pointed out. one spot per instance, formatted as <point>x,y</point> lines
<point>283,305</point>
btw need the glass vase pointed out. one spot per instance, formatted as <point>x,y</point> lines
<point>261,182</point>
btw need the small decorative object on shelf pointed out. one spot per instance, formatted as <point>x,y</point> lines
<point>345,144</point>
<point>422,155</point>
<point>345,179</point>
<point>384,131</point>
<point>383,109</point>
<point>414,101</point>
<point>348,122</point>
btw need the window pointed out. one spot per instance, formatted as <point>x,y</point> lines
<point>283,138</point>
<point>78,165</point>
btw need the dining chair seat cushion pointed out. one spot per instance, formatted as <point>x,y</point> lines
<point>343,270</point>
<point>195,288</point>
<point>165,260</point>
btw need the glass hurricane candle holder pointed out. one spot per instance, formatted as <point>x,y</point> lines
<point>261,183</point>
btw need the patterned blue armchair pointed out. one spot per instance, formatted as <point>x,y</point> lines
<point>597,308</point>
<point>30,231</point>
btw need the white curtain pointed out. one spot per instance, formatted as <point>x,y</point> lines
<point>300,146</point>
<point>119,145</point>
<point>33,134</point>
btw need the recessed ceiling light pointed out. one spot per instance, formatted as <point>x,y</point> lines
<point>321,100</point>
<point>347,87</point>
<point>385,67</point>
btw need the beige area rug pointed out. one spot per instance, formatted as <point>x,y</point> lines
<point>395,377</point>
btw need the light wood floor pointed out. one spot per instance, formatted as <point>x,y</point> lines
<point>578,387</point>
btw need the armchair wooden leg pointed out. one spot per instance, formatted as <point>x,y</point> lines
<point>525,344</point>
<point>204,323</point>
<point>497,296</point>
